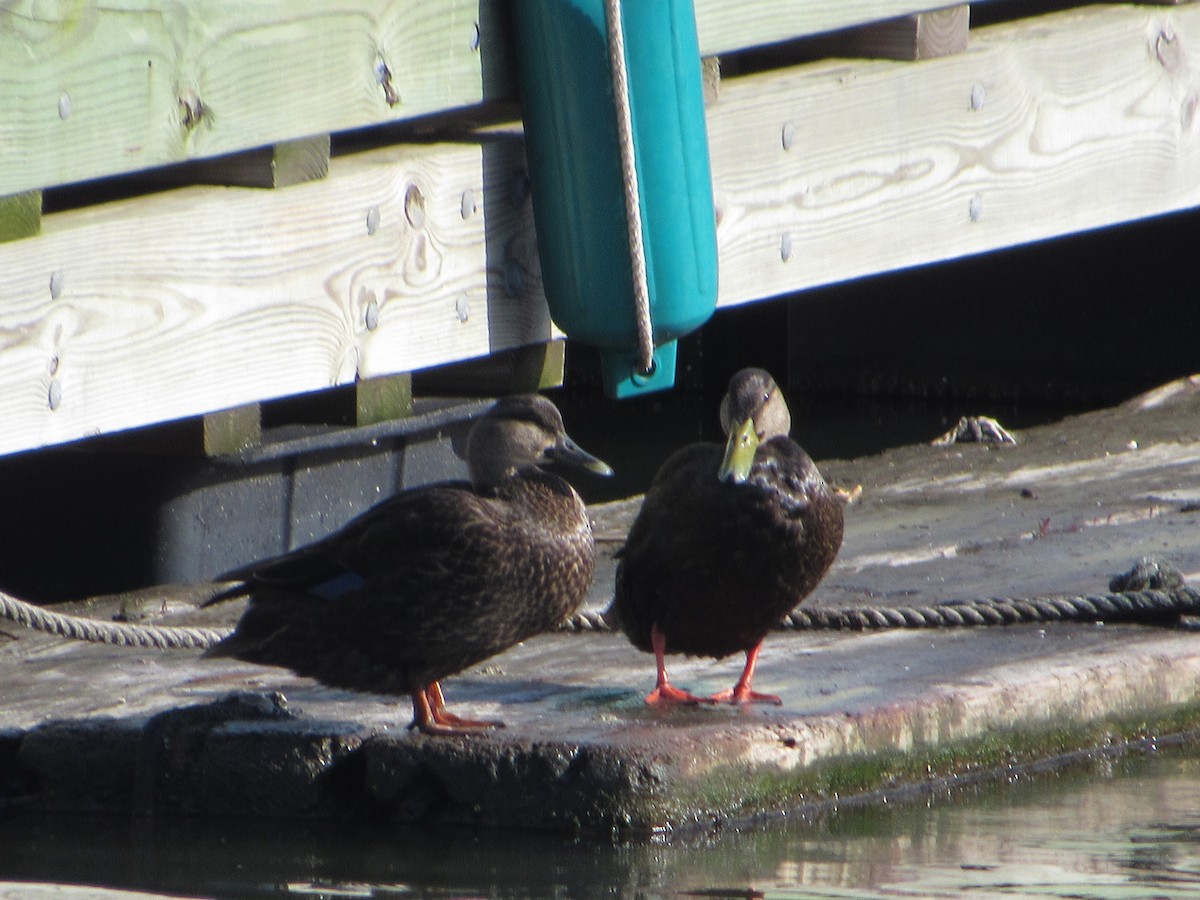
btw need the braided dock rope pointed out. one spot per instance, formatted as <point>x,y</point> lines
<point>122,634</point>
<point>1146,606</point>
<point>1150,606</point>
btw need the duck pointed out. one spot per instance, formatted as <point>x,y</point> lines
<point>728,540</point>
<point>435,579</point>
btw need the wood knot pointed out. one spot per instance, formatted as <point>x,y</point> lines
<point>191,110</point>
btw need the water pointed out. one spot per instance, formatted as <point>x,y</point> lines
<point>1123,828</point>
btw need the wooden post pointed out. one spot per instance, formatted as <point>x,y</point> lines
<point>517,371</point>
<point>921,36</point>
<point>232,430</point>
<point>281,165</point>
<point>381,399</point>
<point>20,215</point>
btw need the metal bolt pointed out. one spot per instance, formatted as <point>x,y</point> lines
<point>371,316</point>
<point>978,95</point>
<point>56,284</point>
<point>975,208</point>
<point>383,76</point>
<point>789,135</point>
<point>462,307</point>
<point>372,220</point>
<point>1168,50</point>
<point>64,105</point>
<point>468,206</point>
<point>414,206</point>
<point>785,247</point>
<point>54,395</point>
<point>191,109</point>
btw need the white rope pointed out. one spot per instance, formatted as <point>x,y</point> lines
<point>124,634</point>
<point>633,208</point>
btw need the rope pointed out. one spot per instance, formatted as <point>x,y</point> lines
<point>633,209</point>
<point>122,634</point>
<point>1157,606</point>
<point>1123,606</point>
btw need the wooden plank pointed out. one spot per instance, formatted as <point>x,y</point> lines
<point>20,215</point>
<point>108,86</point>
<point>831,171</point>
<point>104,87</point>
<point>181,303</point>
<point>724,27</point>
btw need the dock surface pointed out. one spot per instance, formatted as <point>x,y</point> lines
<point>166,733</point>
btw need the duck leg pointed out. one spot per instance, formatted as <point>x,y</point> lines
<point>664,692</point>
<point>741,692</point>
<point>431,716</point>
<point>437,703</point>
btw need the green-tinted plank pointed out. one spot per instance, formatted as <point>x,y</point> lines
<point>20,215</point>
<point>112,86</point>
<point>232,430</point>
<point>385,398</point>
<point>282,165</point>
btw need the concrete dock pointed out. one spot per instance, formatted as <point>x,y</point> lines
<point>96,728</point>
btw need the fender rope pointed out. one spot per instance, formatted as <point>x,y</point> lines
<point>633,208</point>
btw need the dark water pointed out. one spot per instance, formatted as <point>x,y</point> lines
<point>1112,828</point>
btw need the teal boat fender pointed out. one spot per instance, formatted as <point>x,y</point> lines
<point>578,190</point>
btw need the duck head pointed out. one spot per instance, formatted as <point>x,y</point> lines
<point>753,410</point>
<point>520,433</point>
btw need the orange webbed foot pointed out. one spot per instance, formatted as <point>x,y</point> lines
<point>739,695</point>
<point>430,715</point>
<point>666,694</point>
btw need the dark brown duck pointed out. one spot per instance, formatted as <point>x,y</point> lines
<point>728,541</point>
<point>432,580</point>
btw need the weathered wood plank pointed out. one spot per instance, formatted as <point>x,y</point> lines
<point>109,86</point>
<point>1073,121</point>
<point>724,27</point>
<point>201,299</point>
<point>206,298</point>
<point>104,87</point>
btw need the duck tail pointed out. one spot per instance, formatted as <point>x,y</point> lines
<point>275,627</point>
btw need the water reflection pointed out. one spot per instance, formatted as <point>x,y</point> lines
<point>1115,830</point>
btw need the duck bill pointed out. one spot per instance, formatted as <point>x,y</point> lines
<point>739,452</point>
<point>568,452</point>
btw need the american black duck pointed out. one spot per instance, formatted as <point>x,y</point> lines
<point>728,541</point>
<point>435,579</point>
